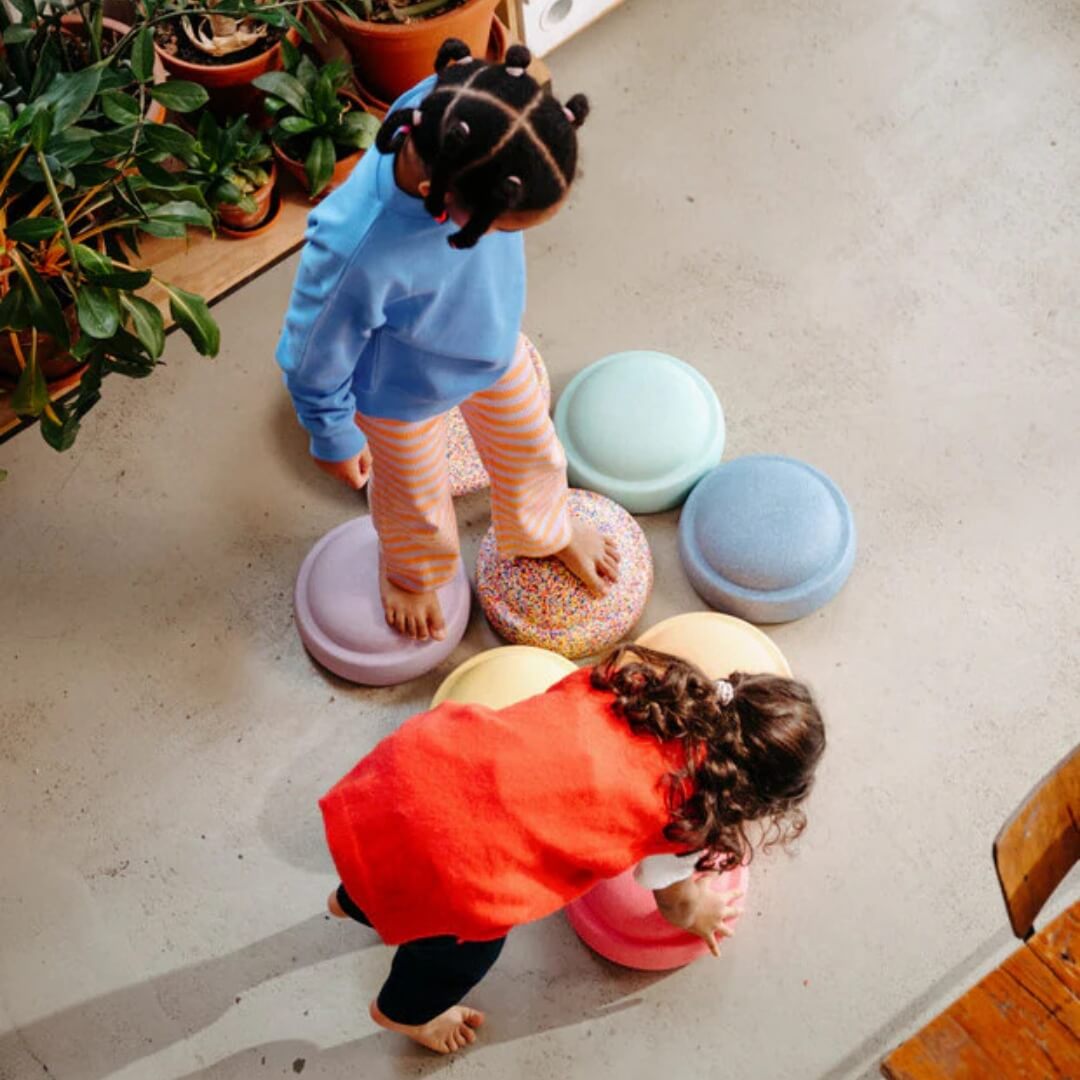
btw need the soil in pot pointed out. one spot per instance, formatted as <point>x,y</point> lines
<point>171,39</point>
<point>227,79</point>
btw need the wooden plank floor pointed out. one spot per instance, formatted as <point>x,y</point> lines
<point>1021,1022</point>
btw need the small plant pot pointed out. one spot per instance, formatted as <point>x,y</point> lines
<point>273,213</point>
<point>498,43</point>
<point>237,223</point>
<point>230,85</point>
<point>73,24</point>
<point>392,58</point>
<point>342,168</point>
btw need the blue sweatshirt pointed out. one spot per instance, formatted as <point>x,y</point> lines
<point>385,317</point>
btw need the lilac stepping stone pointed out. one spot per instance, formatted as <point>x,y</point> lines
<point>340,617</point>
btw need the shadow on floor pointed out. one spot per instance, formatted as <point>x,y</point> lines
<point>519,1005</point>
<point>110,1032</point>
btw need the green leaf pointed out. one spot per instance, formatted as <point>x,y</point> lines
<point>307,72</point>
<point>142,54</point>
<point>43,306</point>
<point>90,175</point>
<point>290,54</point>
<point>73,146</point>
<point>227,192</point>
<point>101,270</point>
<point>112,143</point>
<point>165,230</point>
<point>296,125</point>
<point>40,128</point>
<point>27,9</point>
<point>168,139</point>
<point>14,312</point>
<point>70,96</point>
<point>60,436</point>
<point>319,166</point>
<point>181,97</point>
<point>273,105</point>
<point>185,212</point>
<point>31,394</point>
<point>49,64</point>
<point>193,317</point>
<point>287,88</point>
<point>160,177</point>
<point>357,129</point>
<point>148,323</point>
<point>119,107</point>
<point>31,230</point>
<point>98,313</point>
<point>18,34</point>
<point>92,262</point>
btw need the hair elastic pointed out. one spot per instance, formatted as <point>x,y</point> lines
<point>515,72</point>
<point>725,692</point>
<point>568,113</point>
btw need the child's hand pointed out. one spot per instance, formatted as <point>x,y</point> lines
<point>353,471</point>
<point>696,907</point>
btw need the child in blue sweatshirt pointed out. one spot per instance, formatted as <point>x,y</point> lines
<point>399,313</point>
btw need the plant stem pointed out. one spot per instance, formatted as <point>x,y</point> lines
<point>57,204</point>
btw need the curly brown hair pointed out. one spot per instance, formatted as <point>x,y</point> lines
<point>750,760</point>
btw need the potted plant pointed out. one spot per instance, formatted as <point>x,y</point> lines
<point>394,42</point>
<point>78,184</point>
<point>233,168</point>
<point>321,129</point>
<point>224,45</point>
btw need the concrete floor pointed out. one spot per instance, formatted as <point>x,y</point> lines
<point>861,221</point>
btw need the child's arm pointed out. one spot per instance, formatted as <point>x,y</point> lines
<point>695,906</point>
<point>336,305</point>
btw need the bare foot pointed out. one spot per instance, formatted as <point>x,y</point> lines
<point>416,615</point>
<point>591,557</point>
<point>334,907</point>
<point>449,1031</point>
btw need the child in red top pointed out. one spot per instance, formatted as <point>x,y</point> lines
<point>468,821</point>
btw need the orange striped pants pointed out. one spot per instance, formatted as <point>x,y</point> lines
<point>411,505</point>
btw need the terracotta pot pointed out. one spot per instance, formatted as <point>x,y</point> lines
<point>498,43</point>
<point>73,23</point>
<point>56,364</point>
<point>393,58</point>
<point>229,85</point>
<point>341,170</point>
<point>236,222</point>
<point>274,213</point>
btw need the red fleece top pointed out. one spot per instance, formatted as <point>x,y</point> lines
<point>469,821</point>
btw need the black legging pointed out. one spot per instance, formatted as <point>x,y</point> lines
<point>430,975</point>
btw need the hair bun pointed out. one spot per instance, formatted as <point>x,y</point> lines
<point>578,107</point>
<point>518,58</point>
<point>450,52</point>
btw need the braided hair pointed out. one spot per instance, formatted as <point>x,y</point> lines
<point>490,134</point>
<point>749,759</point>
